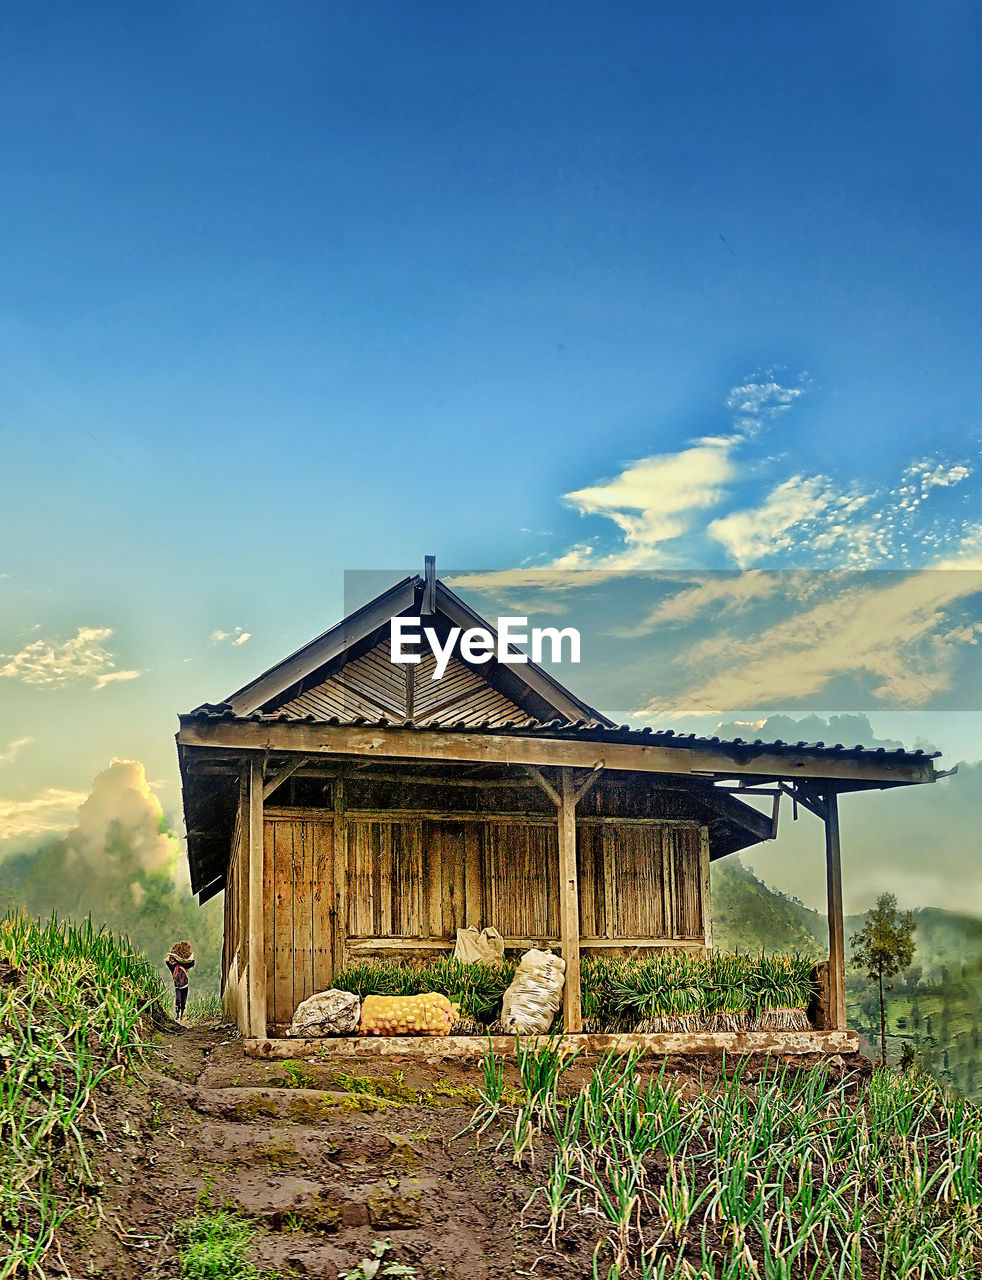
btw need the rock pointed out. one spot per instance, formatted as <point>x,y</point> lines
<point>328,1013</point>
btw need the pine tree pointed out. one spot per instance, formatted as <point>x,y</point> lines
<point>884,947</point>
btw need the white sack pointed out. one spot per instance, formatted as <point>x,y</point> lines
<point>535,995</point>
<point>328,1013</point>
<point>479,946</point>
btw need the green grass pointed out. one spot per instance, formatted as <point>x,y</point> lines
<point>218,1245</point>
<point>76,1004</point>
<point>203,1008</point>
<point>796,1175</point>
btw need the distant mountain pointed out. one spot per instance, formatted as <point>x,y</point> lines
<point>749,915</point>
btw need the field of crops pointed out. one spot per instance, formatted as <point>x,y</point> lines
<point>670,991</point>
<point>794,1175</point>
<point>74,1004</point>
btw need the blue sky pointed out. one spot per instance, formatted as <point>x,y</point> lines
<point>290,290</point>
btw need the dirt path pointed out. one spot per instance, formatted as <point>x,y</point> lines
<point>327,1158</point>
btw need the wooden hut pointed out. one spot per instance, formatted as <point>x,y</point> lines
<point>352,807</point>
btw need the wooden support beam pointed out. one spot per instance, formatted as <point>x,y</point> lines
<point>546,785</point>
<point>576,753</point>
<point>837,948</point>
<point>368,946</point>
<point>569,905</point>
<point>588,782</point>
<point>256,994</point>
<point>810,799</point>
<point>705,894</point>
<point>280,776</point>
<point>339,903</point>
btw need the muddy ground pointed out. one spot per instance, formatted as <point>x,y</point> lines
<point>326,1157</point>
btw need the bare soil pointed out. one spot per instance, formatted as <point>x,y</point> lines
<point>326,1157</point>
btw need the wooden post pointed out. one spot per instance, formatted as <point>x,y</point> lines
<point>705,896</point>
<point>257,959</point>
<point>339,907</point>
<point>837,949</point>
<point>569,905</point>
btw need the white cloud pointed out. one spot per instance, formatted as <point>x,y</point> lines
<point>705,593</point>
<point>796,508</point>
<point>237,636</point>
<point>53,664</point>
<point>122,810</point>
<point>50,810</point>
<point>653,501</point>
<point>756,404</point>
<point>117,825</point>
<point>931,475</point>
<point>114,677</point>
<point>659,499</point>
<point>676,508</point>
<point>13,749</point>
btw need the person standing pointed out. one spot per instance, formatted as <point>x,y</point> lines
<point>181,984</point>
<point>179,961</point>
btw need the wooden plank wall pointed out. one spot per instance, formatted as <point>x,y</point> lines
<point>232,933</point>
<point>298,881</point>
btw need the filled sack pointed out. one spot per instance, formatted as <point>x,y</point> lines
<point>535,995</point>
<point>180,954</point>
<point>479,946</point>
<point>430,1014</point>
<point>328,1013</point>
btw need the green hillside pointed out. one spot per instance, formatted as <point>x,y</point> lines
<point>936,1005</point>
<point>749,915</point>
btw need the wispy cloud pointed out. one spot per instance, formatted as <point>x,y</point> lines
<point>13,749</point>
<point>691,505</point>
<point>654,500</point>
<point>798,508</point>
<point>115,677</point>
<point>896,636</point>
<point>54,664</point>
<point>237,636</point>
<point>657,500</point>
<point>52,809</point>
<point>760,402</point>
<point>845,524</point>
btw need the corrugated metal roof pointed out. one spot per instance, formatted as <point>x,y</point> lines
<point>585,730</point>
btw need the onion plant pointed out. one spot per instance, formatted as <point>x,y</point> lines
<point>75,1008</point>
<point>476,989</point>
<point>789,1174</point>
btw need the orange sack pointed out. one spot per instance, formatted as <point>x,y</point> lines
<point>430,1014</point>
